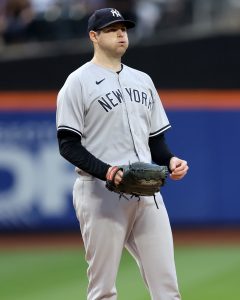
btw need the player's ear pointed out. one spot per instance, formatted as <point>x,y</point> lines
<point>93,35</point>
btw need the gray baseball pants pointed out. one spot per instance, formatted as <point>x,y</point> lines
<point>108,224</point>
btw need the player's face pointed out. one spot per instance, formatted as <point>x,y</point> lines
<point>113,39</point>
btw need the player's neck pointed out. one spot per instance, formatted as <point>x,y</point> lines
<point>110,63</point>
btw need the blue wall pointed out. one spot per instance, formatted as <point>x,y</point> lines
<point>36,183</point>
<point>210,142</point>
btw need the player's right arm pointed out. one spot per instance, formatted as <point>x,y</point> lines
<point>70,125</point>
<point>70,147</point>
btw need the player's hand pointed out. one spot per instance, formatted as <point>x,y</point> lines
<point>117,178</point>
<point>178,168</point>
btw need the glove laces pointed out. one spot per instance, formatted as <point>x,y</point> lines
<point>124,196</point>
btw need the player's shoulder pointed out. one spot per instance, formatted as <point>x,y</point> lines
<point>79,73</point>
<point>138,73</point>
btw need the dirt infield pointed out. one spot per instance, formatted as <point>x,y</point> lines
<point>73,239</point>
<point>206,236</point>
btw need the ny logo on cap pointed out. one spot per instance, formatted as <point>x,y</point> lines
<point>115,13</point>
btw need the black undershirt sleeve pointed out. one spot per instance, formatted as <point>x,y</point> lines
<point>160,151</point>
<point>70,147</point>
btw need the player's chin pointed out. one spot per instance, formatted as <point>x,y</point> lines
<point>122,47</point>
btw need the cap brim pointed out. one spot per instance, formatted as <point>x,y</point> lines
<point>127,23</point>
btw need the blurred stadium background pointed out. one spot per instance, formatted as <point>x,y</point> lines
<point>191,50</point>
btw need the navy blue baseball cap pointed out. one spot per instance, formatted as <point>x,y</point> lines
<point>104,17</point>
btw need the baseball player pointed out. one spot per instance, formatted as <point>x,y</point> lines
<point>109,114</point>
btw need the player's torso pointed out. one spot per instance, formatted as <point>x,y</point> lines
<point>117,114</point>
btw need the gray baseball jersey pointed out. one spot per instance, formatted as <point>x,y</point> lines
<point>115,114</point>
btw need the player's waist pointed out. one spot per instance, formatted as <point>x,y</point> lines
<point>84,174</point>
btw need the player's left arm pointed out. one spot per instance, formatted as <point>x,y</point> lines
<point>160,151</point>
<point>162,155</point>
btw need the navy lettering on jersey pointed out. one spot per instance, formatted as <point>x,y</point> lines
<point>105,105</point>
<point>136,96</point>
<point>129,91</point>
<point>118,95</point>
<point>144,98</point>
<point>139,97</point>
<point>114,98</point>
<point>111,100</point>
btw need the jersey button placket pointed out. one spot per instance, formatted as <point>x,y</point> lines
<point>128,109</point>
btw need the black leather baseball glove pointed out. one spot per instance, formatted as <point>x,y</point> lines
<point>139,179</point>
